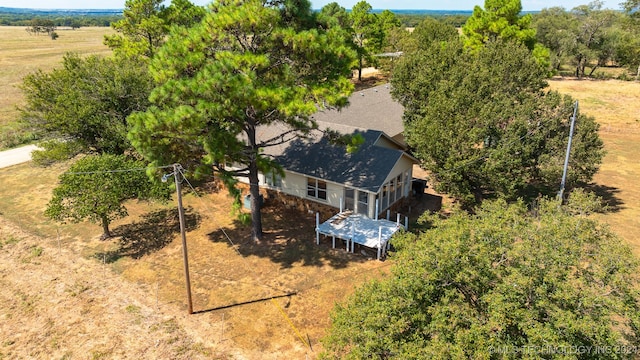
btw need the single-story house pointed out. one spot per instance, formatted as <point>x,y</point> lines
<point>375,177</point>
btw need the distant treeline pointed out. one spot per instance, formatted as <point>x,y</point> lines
<point>60,18</point>
<point>412,20</point>
<point>79,18</point>
<point>456,18</point>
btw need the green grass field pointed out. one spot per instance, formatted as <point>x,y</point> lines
<point>22,54</point>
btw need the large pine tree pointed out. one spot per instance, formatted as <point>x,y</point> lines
<point>247,64</point>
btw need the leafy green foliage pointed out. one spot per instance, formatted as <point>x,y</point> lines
<point>427,32</point>
<point>334,15</point>
<point>141,31</point>
<point>367,34</point>
<point>86,102</point>
<point>146,24</point>
<point>504,283</point>
<point>54,151</point>
<point>42,25</point>
<point>244,66</point>
<point>95,188</point>
<point>587,37</point>
<point>627,46</point>
<point>555,29</point>
<point>183,13</point>
<point>483,125</point>
<point>632,6</point>
<point>70,18</point>
<point>500,19</point>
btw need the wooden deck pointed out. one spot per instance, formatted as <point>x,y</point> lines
<point>358,229</point>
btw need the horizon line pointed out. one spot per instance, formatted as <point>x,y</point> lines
<point>374,9</point>
<point>121,9</point>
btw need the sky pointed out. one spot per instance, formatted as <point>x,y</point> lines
<point>527,5</point>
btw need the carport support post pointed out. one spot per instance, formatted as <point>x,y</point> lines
<point>176,172</point>
<point>379,241</point>
<point>376,209</point>
<point>353,234</point>
<point>317,228</point>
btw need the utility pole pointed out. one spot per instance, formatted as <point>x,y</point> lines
<point>176,173</point>
<point>566,159</point>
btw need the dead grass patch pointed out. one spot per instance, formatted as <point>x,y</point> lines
<point>614,103</point>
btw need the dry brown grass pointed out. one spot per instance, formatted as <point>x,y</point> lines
<point>57,305</point>
<point>22,54</point>
<point>231,279</point>
<point>616,106</point>
<point>613,103</point>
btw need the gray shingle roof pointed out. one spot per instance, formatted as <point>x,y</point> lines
<point>371,108</point>
<point>371,113</point>
<point>367,168</point>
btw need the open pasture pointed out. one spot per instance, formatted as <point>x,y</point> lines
<point>616,106</point>
<point>22,54</point>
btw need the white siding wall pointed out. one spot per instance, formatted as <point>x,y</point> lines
<point>404,166</point>
<point>386,143</point>
<point>335,192</point>
<point>294,184</point>
<point>401,166</point>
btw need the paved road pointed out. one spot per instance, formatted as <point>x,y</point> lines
<point>16,156</point>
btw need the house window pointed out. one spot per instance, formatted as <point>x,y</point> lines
<point>363,203</point>
<point>316,189</point>
<point>273,179</point>
<point>399,187</point>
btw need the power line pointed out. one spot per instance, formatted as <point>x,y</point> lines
<point>117,170</point>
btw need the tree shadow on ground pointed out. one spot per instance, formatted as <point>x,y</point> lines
<point>609,195</point>
<point>153,232</point>
<point>289,238</point>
